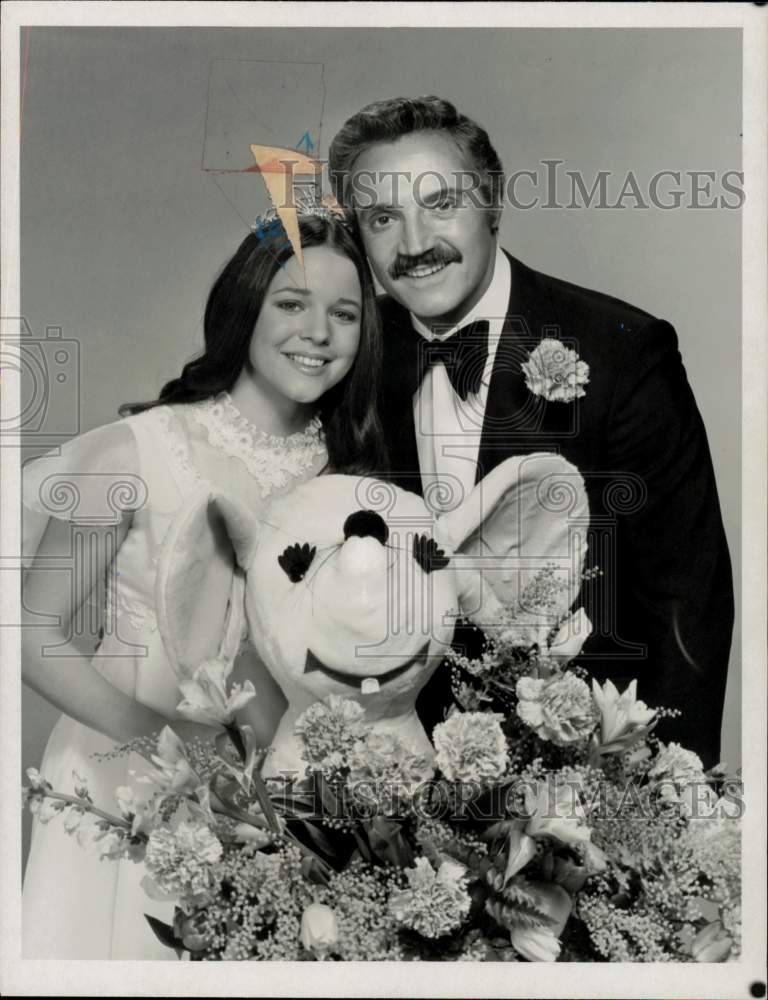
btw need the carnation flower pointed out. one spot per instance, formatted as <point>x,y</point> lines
<point>677,763</point>
<point>385,772</point>
<point>206,698</point>
<point>555,372</point>
<point>558,709</point>
<point>329,731</point>
<point>717,822</point>
<point>679,776</point>
<point>436,902</point>
<point>179,860</point>
<point>471,747</point>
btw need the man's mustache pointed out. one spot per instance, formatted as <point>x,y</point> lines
<point>436,256</point>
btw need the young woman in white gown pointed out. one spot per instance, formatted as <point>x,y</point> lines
<point>285,389</point>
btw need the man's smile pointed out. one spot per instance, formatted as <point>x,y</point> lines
<point>423,271</point>
<point>424,265</point>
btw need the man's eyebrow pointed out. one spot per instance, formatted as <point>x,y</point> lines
<point>379,206</point>
<point>387,206</point>
<point>443,190</point>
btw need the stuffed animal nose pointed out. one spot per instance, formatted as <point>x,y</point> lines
<point>366,523</point>
<point>363,557</point>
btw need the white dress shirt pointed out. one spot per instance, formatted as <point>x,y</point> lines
<point>448,428</point>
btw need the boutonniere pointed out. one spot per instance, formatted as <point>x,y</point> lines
<point>555,372</point>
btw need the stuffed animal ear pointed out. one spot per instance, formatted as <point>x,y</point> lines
<point>200,588</point>
<point>521,534</point>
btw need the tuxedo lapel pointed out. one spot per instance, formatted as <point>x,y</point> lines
<point>516,421</point>
<point>400,364</point>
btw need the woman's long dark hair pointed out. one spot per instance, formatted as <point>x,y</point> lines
<point>350,410</point>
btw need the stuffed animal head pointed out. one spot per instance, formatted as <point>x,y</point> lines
<point>351,586</point>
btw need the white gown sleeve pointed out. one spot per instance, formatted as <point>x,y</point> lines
<point>94,480</point>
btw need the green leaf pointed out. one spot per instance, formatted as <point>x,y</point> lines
<point>388,843</point>
<point>514,905</point>
<point>237,741</point>
<point>312,872</point>
<point>226,788</point>
<point>321,840</point>
<point>293,805</point>
<point>363,847</point>
<point>518,891</point>
<point>509,916</point>
<point>262,794</point>
<point>165,935</point>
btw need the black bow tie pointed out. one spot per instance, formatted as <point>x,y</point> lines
<point>464,354</point>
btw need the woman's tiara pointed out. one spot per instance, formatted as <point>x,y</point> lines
<point>306,205</point>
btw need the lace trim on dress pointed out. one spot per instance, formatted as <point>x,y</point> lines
<point>270,459</point>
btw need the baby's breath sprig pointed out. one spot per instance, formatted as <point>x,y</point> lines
<point>143,745</point>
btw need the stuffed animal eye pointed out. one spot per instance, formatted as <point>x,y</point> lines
<point>428,555</point>
<point>296,560</point>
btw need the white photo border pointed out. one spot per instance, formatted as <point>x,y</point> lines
<point>25,977</point>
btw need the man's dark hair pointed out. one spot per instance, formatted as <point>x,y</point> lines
<point>386,121</point>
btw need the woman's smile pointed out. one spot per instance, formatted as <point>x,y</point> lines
<point>308,364</point>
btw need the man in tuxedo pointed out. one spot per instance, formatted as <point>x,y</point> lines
<point>425,186</point>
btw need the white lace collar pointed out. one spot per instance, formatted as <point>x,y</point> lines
<point>222,410</point>
<point>270,458</point>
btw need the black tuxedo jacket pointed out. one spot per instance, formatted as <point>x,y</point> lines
<point>662,611</point>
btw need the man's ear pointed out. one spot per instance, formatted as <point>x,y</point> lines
<point>528,518</point>
<point>200,580</point>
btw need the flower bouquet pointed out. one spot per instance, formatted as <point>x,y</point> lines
<point>548,824</point>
